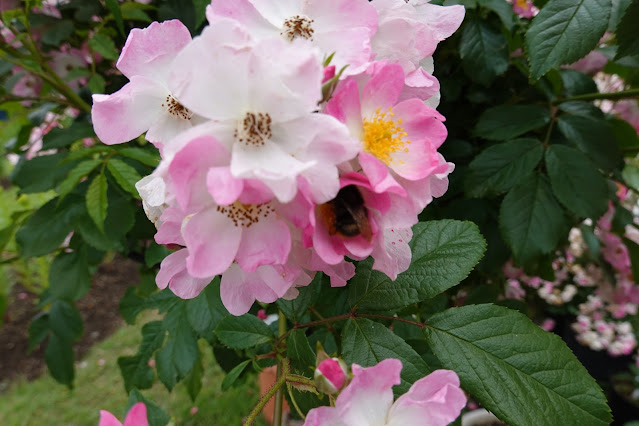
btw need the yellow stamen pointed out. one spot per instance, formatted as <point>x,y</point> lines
<point>383,136</point>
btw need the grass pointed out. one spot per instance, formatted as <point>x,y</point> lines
<point>99,386</point>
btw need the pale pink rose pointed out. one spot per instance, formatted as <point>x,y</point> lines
<point>341,28</point>
<point>135,417</point>
<point>435,400</point>
<point>145,104</point>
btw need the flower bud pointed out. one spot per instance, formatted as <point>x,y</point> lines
<point>330,375</point>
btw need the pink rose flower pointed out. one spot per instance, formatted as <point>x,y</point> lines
<point>135,417</point>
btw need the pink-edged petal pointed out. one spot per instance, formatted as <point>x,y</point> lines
<point>336,15</point>
<point>264,243</point>
<point>421,122</point>
<point>278,278</point>
<point>367,399</point>
<point>170,230</point>
<point>212,240</point>
<point>329,248</point>
<point>222,72</point>
<point>443,21</point>
<point>167,128</point>
<point>435,400</point>
<point>188,171</point>
<point>351,47</point>
<point>243,12</point>
<point>393,256</point>
<point>379,177</point>
<point>323,416</point>
<point>383,89</point>
<point>108,419</point>
<point>358,247</point>
<point>136,416</point>
<point>129,112</point>
<point>223,187</point>
<point>149,52</point>
<point>278,11</point>
<point>172,265</point>
<point>236,290</point>
<point>346,107</point>
<point>184,286</point>
<point>420,85</point>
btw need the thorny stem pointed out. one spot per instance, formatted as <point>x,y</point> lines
<point>262,402</point>
<point>630,93</point>
<point>294,402</point>
<point>281,373</point>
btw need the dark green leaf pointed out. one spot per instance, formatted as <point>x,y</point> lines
<point>65,321</point>
<point>509,121</point>
<point>103,45</point>
<point>132,305</point>
<point>97,201</point>
<point>193,381</point>
<point>74,176</point>
<point>59,358</point>
<point>61,137</point>
<point>205,312</point>
<point>114,8</point>
<point>69,277</point>
<point>141,155</point>
<point>576,182</point>
<point>514,368</point>
<point>233,375</point>
<point>38,331</point>
<point>119,221</point>
<point>125,175</point>
<point>296,308</point>
<point>618,9</point>
<point>593,137</point>
<point>28,173</point>
<point>586,109</point>
<point>200,11</point>
<point>155,415</point>
<point>155,254</point>
<point>564,31</point>
<point>626,135</point>
<point>503,10</point>
<point>444,253</point>
<point>48,227</point>
<point>627,32</point>
<point>630,175</point>
<point>531,219</point>
<point>366,343</point>
<point>501,166</point>
<point>58,32</point>
<point>243,332</point>
<point>97,84</point>
<point>577,83</point>
<point>484,52</point>
<point>135,369</point>
<point>299,350</point>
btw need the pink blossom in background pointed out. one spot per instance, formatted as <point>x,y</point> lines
<point>591,64</point>
<point>435,400</point>
<point>524,8</point>
<point>145,103</point>
<point>628,109</point>
<point>135,417</point>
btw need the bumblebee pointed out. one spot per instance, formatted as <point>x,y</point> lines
<point>346,215</point>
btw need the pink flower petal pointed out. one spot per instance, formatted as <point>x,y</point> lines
<point>108,419</point>
<point>264,243</point>
<point>223,187</point>
<point>136,416</point>
<point>383,89</point>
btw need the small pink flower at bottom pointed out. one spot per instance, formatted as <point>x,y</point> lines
<point>330,375</point>
<point>433,400</point>
<point>135,417</point>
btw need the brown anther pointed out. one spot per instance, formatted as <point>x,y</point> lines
<point>254,129</point>
<point>297,26</point>
<point>177,109</point>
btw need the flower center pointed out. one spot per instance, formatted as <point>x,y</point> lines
<point>245,215</point>
<point>254,129</point>
<point>177,109</point>
<point>297,26</point>
<point>383,136</point>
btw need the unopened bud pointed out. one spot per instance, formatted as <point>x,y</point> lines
<point>330,375</point>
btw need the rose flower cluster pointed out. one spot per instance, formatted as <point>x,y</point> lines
<point>293,134</point>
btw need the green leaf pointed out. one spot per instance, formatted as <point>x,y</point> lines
<point>65,321</point>
<point>155,415</point>
<point>564,31</point>
<point>131,305</point>
<point>627,32</point>
<point>577,83</point>
<point>626,135</point>
<point>630,175</point>
<point>444,253</point>
<point>155,254</point>
<point>28,173</point>
<point>59,358</point>
<point>243,332</point>
<point>97,201</point>
<point>74,176</point>
<point>135,369</point>
<point>114,8</point>
<point>296,308</point>
<point>299,350</point>
<point>232,376</point>
<point>586,109</point>
<point>47,228</point>
<point>97,84</point>
<point>576,182</point>
<point>484,52</point>
<point>125,175</point>
<point>618,9</point>
<point>38,331</point>
<point>193,381</point>
<point>119,221</point>
<point>503,10</point>
<point>180,352</point>
<point>367,342</point>
<point>200,11</point>
<point>501,166</point>
<point>69,277</point>
<point>141,155</point>
<point>514,368</point>
<point>509,121</point>
<point>205,312</point>
<point>593,137</point>
<point>58,32</point>
<point>104,45</point>
<point>531,219</point>
<point>60,137</point>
